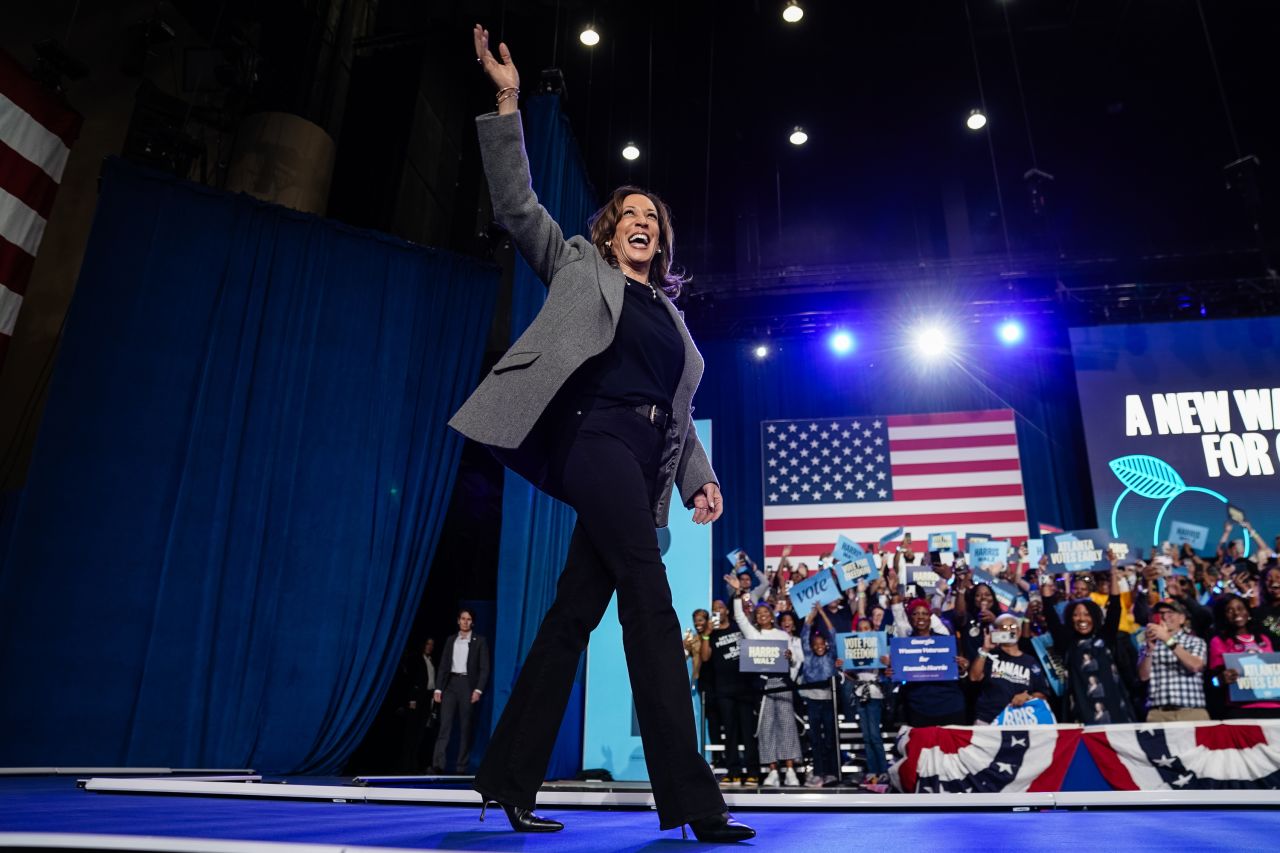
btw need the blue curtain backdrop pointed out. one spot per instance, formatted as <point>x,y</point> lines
<point>536,528</point>
<point>802,378</point>
<point>238,485</point>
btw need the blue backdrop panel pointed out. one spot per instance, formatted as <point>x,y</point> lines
<point>802,378</point>
<point>611,739</point>
<point>536,528</point>
<point>238,485</point>
<point>1196,470</point>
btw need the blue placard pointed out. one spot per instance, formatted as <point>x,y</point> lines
<point>1078,551</point>
<point>1181,532</point>
<point>1181,571</point>
<point>991,553</point>
<point>1259,679</point>
<point>1055,671</point>
<point>1007,594</point>
<point>971,539</point>
<point>892,535</point>
<point>820,588</point>
<point>861,650</point>
<point>845,550</point>
<point>931,658</point>
<point>924,576</point>
<point>1033,713</point>
<point>943,542</point>
<point>763,656</point>
<point>1035,550</point>
<point>732,556</point>
<point>862,568</point>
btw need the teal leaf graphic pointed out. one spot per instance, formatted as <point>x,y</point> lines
<point>1148,476</point>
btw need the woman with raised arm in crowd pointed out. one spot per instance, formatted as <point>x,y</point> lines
<point>593,404</point>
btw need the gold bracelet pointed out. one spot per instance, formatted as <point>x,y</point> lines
<point>508,92</point>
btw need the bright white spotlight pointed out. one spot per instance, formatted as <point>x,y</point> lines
<point>589,36</point>
<point>976,120</point>
<point>761,351</point>
<point>931,342</point>
<point>630,152</point>
<point>1011,332</point>
<point>798,136</point>
<point>842,342</point>
<point>792,13</point>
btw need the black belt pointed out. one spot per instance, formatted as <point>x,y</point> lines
<point>1169,708</point>
<point>652,413</point>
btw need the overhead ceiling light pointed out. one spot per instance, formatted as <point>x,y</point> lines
<point>761,352</point>
<point>1011,332</point>
<point>589,36</point>
<point>798,136</point>
<point>976,120</point>
<point>931,342</point>
<point>630,152</point>
<point>841,342</point>
<point>792,12</point>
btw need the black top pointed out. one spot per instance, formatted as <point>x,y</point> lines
<point>643,364</point>
<point>729,681</point>
<point>1004,677</point>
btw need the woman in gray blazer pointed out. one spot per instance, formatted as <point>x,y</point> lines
<point>594,405</point>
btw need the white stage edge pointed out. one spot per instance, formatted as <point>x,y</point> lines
<point>780,800</point>
<point>166,844</point>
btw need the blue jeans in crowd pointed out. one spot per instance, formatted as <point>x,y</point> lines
<point>822,736</point>
<point>868,714</point>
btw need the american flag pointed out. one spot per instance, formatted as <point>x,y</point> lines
<point>863,477</point>
<point>36,133</point>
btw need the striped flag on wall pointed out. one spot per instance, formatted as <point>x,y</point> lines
<point>866,476</point>
<point>36,134</point>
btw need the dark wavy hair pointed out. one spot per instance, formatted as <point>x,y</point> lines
<point>604,222</point>
<point>1220,625</point>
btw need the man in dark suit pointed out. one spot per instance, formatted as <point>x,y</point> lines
<point>418,683</point>
<point>464,674</point>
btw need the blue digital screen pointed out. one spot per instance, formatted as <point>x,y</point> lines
<point>1182,422</point>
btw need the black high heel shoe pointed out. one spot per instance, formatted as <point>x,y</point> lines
<point>524,820</point>
<point>720,829</point>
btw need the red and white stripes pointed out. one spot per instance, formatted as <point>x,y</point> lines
<point>36,134</point>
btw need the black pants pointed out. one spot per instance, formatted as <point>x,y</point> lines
<point>455,706</point>
<point>741,755</point>
<point>607,464</point>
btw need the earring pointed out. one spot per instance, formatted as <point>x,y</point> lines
<point>659,250</point>
<point>608,243</point>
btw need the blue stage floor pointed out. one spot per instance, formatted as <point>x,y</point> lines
<point>55,805</point>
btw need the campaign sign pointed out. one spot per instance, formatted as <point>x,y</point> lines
<point>763,656</point>
<point>943,542</point>
<point>861,650</point>
<point>1078,551</point>
<point>732,556</point>
<point>931,658</point>
<point>1033,713</point>
<point>1054,669</point>
<point>1259,679</point>
<point>971,539</point>
<point>819,588</point>
<point>891,535</point>
<point>1180,533</point>
<point>1126,554</point>
<point>1181,571</point>
<point>989,553</point>
<point>1009,596</point>
<point>862,568</point>
<point>845,550</point>
<point>1035,550</point>
<point>924,576</point>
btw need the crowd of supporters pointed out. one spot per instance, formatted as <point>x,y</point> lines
<point>1144,640</point>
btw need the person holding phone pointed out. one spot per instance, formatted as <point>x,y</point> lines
<point>594,405</point>
<point>734,698</point>
<point>1010,677</point>
<point>1172,662</point>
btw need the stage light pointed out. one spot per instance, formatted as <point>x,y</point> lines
<point>630,152</point>
<point>798,136</point>
<point>841,342</point>
<point>976,120</point>
<point>792,12</point>
<point>931,342</point>
<point>761,352</point>
<point>1011,332</point>
<point>589,36</point>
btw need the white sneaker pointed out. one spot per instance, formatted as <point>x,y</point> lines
<point>791,780</point>
<point>771,781</point>
<point>814,781</point>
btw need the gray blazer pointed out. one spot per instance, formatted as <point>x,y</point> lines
<point>578,321</point>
